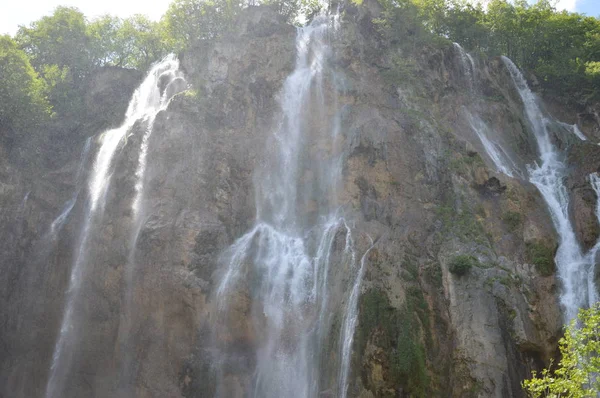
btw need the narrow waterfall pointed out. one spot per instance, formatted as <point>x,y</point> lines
<point>144,105</point>
<point>290,267</point>
<point>574,129</point>
<point>496,152</point>
<point>170,81</point>
<point>467,65</point>
<point>594,179</point>
<point>59,221</point>
<point>547,176</point>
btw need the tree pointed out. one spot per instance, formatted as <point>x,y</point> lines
<point>579,367</point>
<point>23,103</point>
<point>60,39</point>
<point>188,22</point>
<point>140,42</point>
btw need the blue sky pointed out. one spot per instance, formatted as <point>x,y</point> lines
<point>589,7</point>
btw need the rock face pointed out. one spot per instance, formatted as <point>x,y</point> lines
<point>415,177</point>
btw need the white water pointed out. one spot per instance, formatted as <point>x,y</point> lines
<point>350,322</point>
<point>594,179</point>
<point>59,221</point>
<point>170,78</point>
<point>495,151</point>
<point>285,262</point>
<point>468,66</point>
<point>144,104</point>
<point>574,129</point>
<point>547,176</point>
<point>499,157</point>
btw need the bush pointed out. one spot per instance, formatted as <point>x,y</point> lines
<point>512,219</point>
<point>460,265</point>
<point>576,374</point>
<point>542,257</point>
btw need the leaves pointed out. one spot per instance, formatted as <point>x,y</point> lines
<point>577,371</point>
<point>23,102</point>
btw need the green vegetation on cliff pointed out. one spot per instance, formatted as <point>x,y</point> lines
<point>560,48</point>
<point>399,333</point>
<point>577,372</point>
<point>23,102</point>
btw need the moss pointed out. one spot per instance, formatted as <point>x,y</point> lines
<point>433,274</point>
<point>461,264</point>
<point>464,224</point>
<point>512,220</point>
<point>397,332</point>
<point>542,256</point>
<point>403,70</point>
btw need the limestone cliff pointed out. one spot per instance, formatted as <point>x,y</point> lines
<point>416,179</point>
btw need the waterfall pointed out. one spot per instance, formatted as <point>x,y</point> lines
<point>574,129</point>
<point>594,179</point>
<point>170,81</point>
<point>145,103</point>
<point>497,154</point>
<point>59,221</point>
<point>547,176</point>
<point>495,151</point>
<point>467,64</point>
<point>295,276</point>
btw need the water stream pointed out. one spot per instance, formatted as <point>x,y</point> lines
<point>302,284</point>
<point>573,267</point>
<point>144,105</point>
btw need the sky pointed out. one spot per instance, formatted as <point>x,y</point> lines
<point>23,12</point>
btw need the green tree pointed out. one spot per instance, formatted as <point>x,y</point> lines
<point>60,39</point>
<point>577,373</point>
<point>23,103</point>
<point>140,42</point>
<point>188,22</point>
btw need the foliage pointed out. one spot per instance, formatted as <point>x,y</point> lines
<point>542,257</point>
<point>59,39</point>
<point>397,331</point>
<point>461,264</point>
<point>512,219</point>
<point>577,371</point>
<point>23,102</point>
<point>562,49</point>
<point>188,22</point>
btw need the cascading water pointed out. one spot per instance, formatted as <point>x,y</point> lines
<point>467,64</point>
<point>285,264</point>
<point>574,129</point>
<point>170,81</point>
<point>59,221</point>
<point>547,176</point>
<point>145,103</point>
<point>594,179</point>
<point>499,157</point>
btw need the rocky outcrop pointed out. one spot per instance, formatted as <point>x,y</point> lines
<point>415,178</point>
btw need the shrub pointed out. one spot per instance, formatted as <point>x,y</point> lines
<point>576,374</point>
<point>542,256</point>
<point>512,219</point>
<point>460,265</point>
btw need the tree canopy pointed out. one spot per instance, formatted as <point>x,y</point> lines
<point>57,53</point>
<point>562,49</point>
<point>23,102</point>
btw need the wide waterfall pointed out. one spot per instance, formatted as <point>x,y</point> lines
<point>148,99</point>
<point>290,266</point>
<point>575,270</point>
